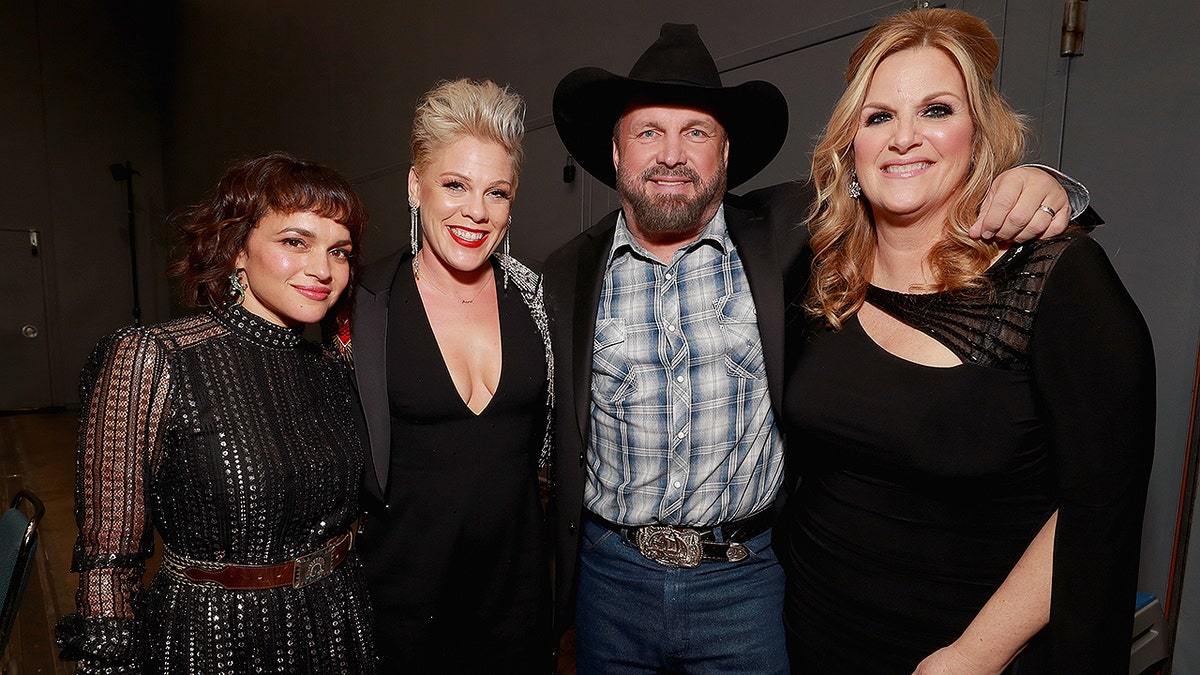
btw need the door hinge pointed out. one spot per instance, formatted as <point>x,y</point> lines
<point>1074,25</point>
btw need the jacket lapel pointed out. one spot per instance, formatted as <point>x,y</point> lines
<point>588,281</point>
<point>369,335</point>
<point>752,236</point>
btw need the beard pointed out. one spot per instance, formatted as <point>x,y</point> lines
<point>668,214</point>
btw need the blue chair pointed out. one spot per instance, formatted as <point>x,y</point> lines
<point>18,542</point>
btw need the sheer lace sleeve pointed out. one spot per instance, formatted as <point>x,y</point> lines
<point>123,393</point>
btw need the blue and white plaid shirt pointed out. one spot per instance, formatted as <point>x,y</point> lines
<point>682,430</point>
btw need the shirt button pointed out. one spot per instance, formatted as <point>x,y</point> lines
<point>681,434</point>
<point>678,485</point>
<point>668,276</point>
<point>679,378</point>
<point>670,329</point>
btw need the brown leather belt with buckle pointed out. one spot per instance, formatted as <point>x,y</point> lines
<point>296,573</point>
<point>674,546</point>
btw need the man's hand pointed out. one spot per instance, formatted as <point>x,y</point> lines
<point>1012,210</point>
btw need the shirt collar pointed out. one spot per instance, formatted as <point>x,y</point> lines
<point>715,233</point>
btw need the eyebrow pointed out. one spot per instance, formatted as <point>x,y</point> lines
<point>927,99</point>
<point>697,122</point>
<point>308,233</point>
<point>454,174</point>
<point>294,229</point>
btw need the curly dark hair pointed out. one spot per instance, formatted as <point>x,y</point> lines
<point>214,231</point>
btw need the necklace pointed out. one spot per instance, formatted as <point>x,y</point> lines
<point>443,291</point>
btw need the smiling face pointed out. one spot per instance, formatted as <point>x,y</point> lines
<point>670,164</point>
<point>464,193</point>
<point>295,267</point>
<point>913,147</point>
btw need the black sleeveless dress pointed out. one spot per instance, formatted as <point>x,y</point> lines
<point>457,563</point>
<point>919,488</point>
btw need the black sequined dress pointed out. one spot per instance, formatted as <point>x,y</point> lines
<point>234,438</point>
<point>920,487</point>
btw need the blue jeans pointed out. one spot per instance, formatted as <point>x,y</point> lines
<point>636,616</point>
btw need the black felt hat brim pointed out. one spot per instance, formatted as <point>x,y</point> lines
<point>589,101</point>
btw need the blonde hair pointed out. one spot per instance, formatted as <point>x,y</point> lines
<point>843,235</point>
<point>476,108</point>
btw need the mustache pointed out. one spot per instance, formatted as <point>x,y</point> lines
<point>687,172</point>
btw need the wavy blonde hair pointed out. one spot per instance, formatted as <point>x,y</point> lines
<point>479,109</point>
<point>843,234</point>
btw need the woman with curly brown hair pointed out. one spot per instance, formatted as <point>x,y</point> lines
<point>971,423</point>
<point>232,436</point>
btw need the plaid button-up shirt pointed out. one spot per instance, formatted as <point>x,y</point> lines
<point>682,429</point>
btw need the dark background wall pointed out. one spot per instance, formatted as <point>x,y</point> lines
<point>81,85</point>
<point>180,88</point>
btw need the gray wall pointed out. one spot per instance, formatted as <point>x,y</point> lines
<point>1127,132</point>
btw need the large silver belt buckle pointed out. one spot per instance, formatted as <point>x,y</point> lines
<point>313,567</point>
<point>669,547</point>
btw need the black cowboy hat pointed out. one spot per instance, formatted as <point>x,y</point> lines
<point>676,70</point>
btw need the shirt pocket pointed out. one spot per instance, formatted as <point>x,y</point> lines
<point>613,377</point>
<point>739,328</point>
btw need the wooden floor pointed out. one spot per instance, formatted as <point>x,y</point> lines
<point>37,453</point>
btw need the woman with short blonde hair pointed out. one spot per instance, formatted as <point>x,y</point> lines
<point>453,365</point>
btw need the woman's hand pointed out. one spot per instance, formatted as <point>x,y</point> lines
<point>954,660</point>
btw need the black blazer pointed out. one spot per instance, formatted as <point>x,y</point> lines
<point>370,321</point>
<point>765,228</point>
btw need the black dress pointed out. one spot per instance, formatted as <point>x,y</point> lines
<point>920,487</point>
<point>235,438</point>
<point>457,563</point>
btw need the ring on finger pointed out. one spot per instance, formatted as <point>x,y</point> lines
<point>1047,209</point>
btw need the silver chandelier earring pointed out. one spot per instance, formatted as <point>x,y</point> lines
<point>415,236</point>
<point>507,255</point>
<point>236,289</point>
<point>855,188</point>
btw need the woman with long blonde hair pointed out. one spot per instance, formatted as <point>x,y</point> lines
<point>971,423</point>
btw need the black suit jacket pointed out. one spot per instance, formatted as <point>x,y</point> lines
<point>370,323</point>
<point>764,226</point>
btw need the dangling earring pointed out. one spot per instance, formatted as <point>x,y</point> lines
<point>855,188</point>
<point>415,236</point>
<point>507,255</point>
<point>236,289</point>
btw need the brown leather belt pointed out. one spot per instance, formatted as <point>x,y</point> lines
<point>675,546</point>
<point>296,573</point>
